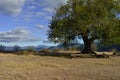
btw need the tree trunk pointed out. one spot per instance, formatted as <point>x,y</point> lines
<point>87,45</point>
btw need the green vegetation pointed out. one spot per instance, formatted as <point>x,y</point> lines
<point>30,49</point>
<point>45,51</point>
<point>16,48</point>
<point>89,20</point>
<point>1,48</point>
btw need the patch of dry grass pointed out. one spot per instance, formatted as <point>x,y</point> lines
<point>31,67</point>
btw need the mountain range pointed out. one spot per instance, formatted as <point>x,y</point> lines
<point>60,46</point>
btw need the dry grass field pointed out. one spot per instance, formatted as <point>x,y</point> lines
<point>34,67</point>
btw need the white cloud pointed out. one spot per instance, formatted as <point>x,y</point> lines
<point>28,16</point>
<point>17,35</point>
<point>48,18</point>
<point>28,19</point>
<point>46,5</point>
<point>14,7</point>
<point>11,7</point>
<point>49,10</point>
<point>40,26</point>
<point>38,14</point>
<point>46,41</point>
<point>35,9</point>
<point>32,7</point>
<point>52,3</point>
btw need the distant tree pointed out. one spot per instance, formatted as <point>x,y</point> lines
<point>31,49</point>
<point>89,20</point>
<point>16,48</point>
<point>2,48</point>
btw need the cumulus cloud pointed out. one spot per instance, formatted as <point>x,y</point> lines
<point>28,16</point>
<point>46,41</point>
<point>40,14</point>
<point>32,7</point>
<point>52,3</point>
<point>48,18</point>
<point>48,10</point>
<point>41,9</point>
<point>14,7</point>
<point>11,7</point>
<point>40,26</point>
<point>17,35</point>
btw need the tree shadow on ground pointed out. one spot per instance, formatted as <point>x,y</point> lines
<point>66,55</point>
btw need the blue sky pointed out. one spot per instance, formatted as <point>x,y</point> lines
<point>25,22</point>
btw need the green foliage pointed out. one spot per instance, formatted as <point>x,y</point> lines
<point>75,48</point>
<point>16,48</point>
<point>45,51</point>
<point>24,52</point>
<point>30,49</point>
<point>88,19</point>
<point>56,50</point>
<point>2,48</point>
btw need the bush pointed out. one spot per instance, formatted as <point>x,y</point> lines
<point>114,50</point>
<point>24,52</point>
<point>45,51</point>
<point>75,48</point>
<point>30,49</point>
<point>16,48</point>
<point>56,50</point>
<point>2,48</point>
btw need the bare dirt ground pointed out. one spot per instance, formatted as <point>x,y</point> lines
<point>31,67</point>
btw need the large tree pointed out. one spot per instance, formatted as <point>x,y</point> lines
<point>89,20</point>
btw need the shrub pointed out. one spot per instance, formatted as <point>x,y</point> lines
<point>2,48</point>
<point>56,50</point>
<point>114,50</point>
<point>24,52</point>
<point>45,51</point>
<point>74,48</point>
<point>16,48</point>
<point>30,49</point>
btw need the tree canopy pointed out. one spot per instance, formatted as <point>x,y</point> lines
<point>89,20</point>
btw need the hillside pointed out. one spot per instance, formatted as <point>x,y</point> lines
<point>107,48</point>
